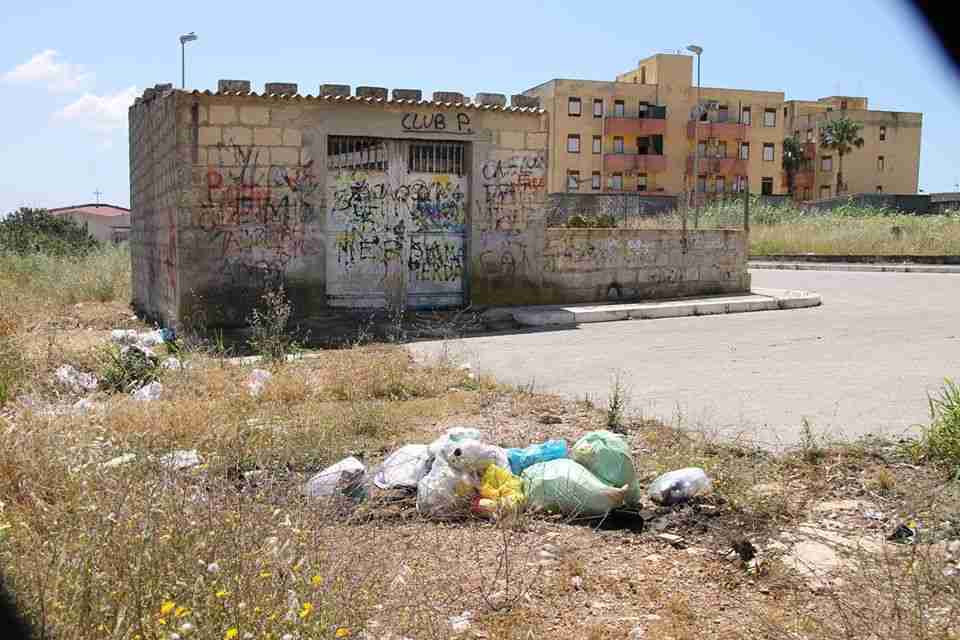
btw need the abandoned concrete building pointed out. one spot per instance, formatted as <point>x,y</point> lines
<point>365,201</point>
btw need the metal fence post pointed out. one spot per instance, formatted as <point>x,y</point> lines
<point>746,210</point>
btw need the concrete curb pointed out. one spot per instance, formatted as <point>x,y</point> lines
<point>837,266</point>
<point>757,300</point>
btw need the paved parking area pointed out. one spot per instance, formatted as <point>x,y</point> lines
<point>861,363</point>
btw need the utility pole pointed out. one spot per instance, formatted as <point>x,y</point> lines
<point>98,193</point>
<point>696,140</point>
<point>184,39</point>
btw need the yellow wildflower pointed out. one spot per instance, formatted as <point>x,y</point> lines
<point>161,621</point>
<point>306,610</point>
<point>223,593</point>
<point>181,611</point>
<point>342,632</point>
<point>167,607</point>
<point>316,580</point>
<point>265,574</point>
<point>231,633</point>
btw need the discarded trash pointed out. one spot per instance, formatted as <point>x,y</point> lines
<point>257,380</point>
<point>473,455</point>
<point>905,533</point>
<point>83,404</point>
<point>143,339</point>
<point>172,364</point>
<point>347,477</point>
<point>500,492</point>
<point>607,456</point>
<point>672,539</point>
<point>520,459</point>
<point>445,492</point>
<point>462,622</point>
<point>119,460</point>
<point>181,459</point>
<point>77,381</point>
<point>149,392</point>
<point>745,549</point>
<point>465,367</point>
<point>679,486</point>
<point>568,487</point>
<point>455,434</point>
<point>123,336</point>
<point>404,468</point>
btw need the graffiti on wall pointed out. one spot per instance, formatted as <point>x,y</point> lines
<point>377,224</point>
<point>258,213</point>
<point>436,123</point>
<point>573,252</point>
<point>503,254</point>
<point>510,190</point>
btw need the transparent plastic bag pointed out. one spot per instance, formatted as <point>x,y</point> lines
<point>347,477</point>
<point>679,486</point>
<point>456,434</point>
<point>404,468</point>
<point>445,492</point>
<point>473,455</point>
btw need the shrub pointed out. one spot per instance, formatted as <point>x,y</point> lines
<point>941,440</point>
<point>38,231</point>
<point>268,326</point>
<point>602,221</point>
<point>127,369</point>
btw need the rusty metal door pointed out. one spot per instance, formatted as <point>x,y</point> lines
<point>396,224</point>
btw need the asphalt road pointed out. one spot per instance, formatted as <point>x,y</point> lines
<point>861,363</point>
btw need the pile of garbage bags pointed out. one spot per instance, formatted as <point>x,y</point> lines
<point>459,474</point>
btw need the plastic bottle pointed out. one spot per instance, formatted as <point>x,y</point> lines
<point>679,486</point>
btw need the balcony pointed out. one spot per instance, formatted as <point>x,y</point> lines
<point>714,166</point>
<point>801,180</point>
<point>628,126</point>
<point>633,163</point>
<point>727,130</point>
<point>809,150</point>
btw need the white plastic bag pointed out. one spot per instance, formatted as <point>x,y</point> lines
<point>257,380</point>
<point>679,486</point>
<point>456,434</point>
<point>149,392</point>
<point>347,476</point>
<point>77,381</point>
<point>473,455</point>
<point>445,492</point>
<point>181,459</point>
<point>404,468</point>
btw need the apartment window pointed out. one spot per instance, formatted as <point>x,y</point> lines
<point>843,105</point>
<point>642,109</point>
<point>745,115</point>
<point>723,113</point>
<point>573,107</point>
<point>766,186</point>
<point>598,107</point>
<point>721,184</point>
<point>768,152</point>
<point>618,108</point>
<point>643,75</point>
<point>824,191</point>
<point>702,149</point>
<point>618,144</point>
<point>829,109</point>
<point>826,163</point>
<point>722,149</point>
<point>573,180</point>
<point>744,150</point>
<point>769,117</point>
<point>796,133</point>
<point>642,182</point>
<point>597,144</point>
<point>573,143</point>
<point>643,145</point>
<point>739,184</point>
<point>883,134</point>
<point>595,181</point>
<point>809,135</point>
<point>701,184</point>
<point>879,188</point>
<point>784,113</point>
<point>616,182</point>
<point>880,163</point>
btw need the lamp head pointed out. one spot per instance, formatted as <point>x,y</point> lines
<point>188,37</point>
<point>695,49</point>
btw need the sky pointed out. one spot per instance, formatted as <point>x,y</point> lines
<point>69,70</point>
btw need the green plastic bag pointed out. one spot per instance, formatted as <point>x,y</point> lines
<point>608,457</point>
<point>565,486</point>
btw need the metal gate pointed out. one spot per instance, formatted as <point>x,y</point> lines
<point>396,223</point>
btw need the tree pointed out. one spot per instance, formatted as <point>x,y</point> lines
<point>38,231</point>
<point>841,135</point>
<point>792,160</point>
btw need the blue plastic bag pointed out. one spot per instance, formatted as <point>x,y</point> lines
<point>520,459</point>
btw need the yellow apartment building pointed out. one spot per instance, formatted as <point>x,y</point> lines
<point>888,162</point>
<point>636,134</point>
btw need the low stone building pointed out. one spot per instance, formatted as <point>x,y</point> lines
<point>105,222</point>
<point>370,200</point>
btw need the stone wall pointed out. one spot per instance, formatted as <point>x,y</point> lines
<point>906,203</point>
<point>154,193</point>
<point>600,265</point>
<point>619,205</point>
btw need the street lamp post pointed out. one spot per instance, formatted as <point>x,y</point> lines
<point>184,39</point>
<point>696,139</point>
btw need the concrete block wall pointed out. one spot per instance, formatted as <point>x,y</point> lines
<point>155,183</point>
<point>602,265</point>
<point>619,205</point>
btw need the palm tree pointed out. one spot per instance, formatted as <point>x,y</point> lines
<point>841,135</point>
<point>792,160</point>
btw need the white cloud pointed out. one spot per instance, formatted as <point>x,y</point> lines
<point>45,70</point>
<point>102,114</point>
